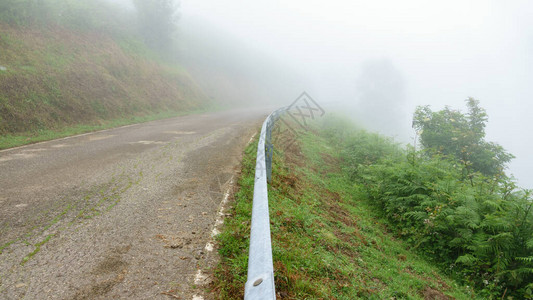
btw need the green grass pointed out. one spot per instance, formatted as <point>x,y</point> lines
<point>5,245</point>
<point>37,249</point>
<point>62,82</point>
<point>10,140</point>
<point>327,244</point>
<point>136,47</point>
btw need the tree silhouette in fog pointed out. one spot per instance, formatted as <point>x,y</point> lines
<point>158,21</point>
<point>381,97</point>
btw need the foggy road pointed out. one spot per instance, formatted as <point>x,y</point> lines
<point>121,213</point>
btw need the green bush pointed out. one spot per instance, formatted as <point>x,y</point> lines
<point>462,136</point>
<point>363,149</point>
<point>485,231</point>
<point>480,229</point>
<point>154,22</point>
<point>96,15</point>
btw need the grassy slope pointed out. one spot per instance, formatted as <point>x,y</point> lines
<point>326,243</point>
<point>62,80</point>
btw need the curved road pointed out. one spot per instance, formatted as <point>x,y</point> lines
<point>121,213</point>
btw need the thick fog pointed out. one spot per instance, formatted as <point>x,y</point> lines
<point>379,59</point>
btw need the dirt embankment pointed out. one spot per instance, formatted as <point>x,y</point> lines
<point>53,77</point>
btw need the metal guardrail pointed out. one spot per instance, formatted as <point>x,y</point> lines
<point>260,283</point>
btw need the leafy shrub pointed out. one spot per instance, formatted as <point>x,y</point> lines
<point>82,15</point>
<point>452,133</point>
<point>154,22</point>
<point>360,148</point>
<point>157,20</point>
<point>21,12</point>
<point>480,229</point>
<point>364,149</point>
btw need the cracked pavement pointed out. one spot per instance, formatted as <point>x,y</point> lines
<point>121,213</point>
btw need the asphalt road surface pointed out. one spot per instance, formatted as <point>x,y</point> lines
<point>122,213</point>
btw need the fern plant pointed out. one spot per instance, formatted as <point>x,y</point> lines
<point>478,227</point>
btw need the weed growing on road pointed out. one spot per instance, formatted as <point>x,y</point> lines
<point>71,211</point>
<point>37,249</point>
<point>5,245</point>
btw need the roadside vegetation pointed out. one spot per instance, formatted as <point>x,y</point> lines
<point>355,215</point>
<point>328,241</point>
<point>452,200</point>
<point>70,67</point>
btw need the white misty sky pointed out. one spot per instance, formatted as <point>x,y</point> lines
<point>446,52</point>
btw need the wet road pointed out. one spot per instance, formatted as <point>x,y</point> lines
<point>121,213</point>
